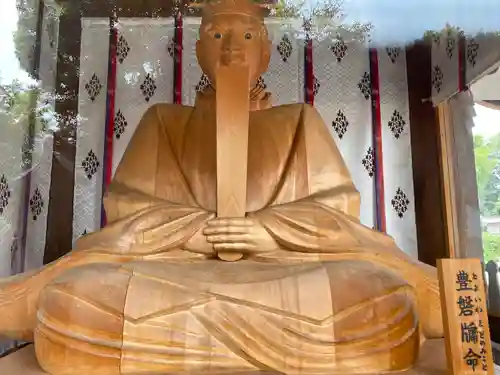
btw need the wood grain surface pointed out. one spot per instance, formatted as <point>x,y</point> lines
<point>233,106</point>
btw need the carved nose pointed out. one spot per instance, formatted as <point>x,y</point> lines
<point>232,51</point>
<point>231,44</point>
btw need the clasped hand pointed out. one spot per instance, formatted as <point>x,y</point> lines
<point>238,234</point>
<point>243,235</point>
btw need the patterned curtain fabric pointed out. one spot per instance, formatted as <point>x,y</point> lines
<point>458,61</point>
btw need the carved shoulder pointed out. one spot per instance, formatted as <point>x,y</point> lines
<point>157,125</point>
<point>168,115</point>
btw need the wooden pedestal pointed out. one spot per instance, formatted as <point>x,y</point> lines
<point>432,362</point>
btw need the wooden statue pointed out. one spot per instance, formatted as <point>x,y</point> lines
<point>316,292</point>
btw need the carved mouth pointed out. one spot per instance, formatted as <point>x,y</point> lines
<point>233,59</point>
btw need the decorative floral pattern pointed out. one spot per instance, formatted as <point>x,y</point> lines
<point>148,87</point>
<point>397,124</point>
<point>171,48</point>
<point>4,194</point>
<point>93,87</point>
<point>316,86</point>
<point>90,164</point>
<point>203,83</point>
<point>400,202</point>
<point>472,50</point>
<point>450,45</point>
<point>365,85</point>
<point>339,49</point>
<point>436,37</point>
<point>393,53</point>
<point>437,78</point>
<point>120,124</point>
<point>285,48</point>
<point>369,161</point>
<point>340,124</point>
<point>36,204</point>
<point>122,49</point>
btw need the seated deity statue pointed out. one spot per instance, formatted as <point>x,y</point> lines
<point>316,292</point>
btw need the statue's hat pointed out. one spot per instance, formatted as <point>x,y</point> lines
<point>250,8</point>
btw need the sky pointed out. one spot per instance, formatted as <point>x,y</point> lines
<point>406,20</point>
<point>9,65</point>
<point>487,121</point>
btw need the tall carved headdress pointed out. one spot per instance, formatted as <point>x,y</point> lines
<point>249,8</point>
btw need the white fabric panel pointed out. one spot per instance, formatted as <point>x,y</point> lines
<point>191,72</point>
<point>38,204</point>
<point>342,74</point>
<point>284,78</point>
<point>482,54</point>
<point>13,179</point>
<point>143,58</point>
<point>11,195</point>
<point>445,65</point>
<point>90,126</point>
<point>396,148</point>
<point>43,144</point>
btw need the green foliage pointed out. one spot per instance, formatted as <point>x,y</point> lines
<point>288,9</point>
<point>326,19</point>
<point>25,34</point>
<point>20,105</point>
<point>491,246</point>
<point>487,156</point>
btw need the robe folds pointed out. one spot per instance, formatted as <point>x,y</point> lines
<point>335,297</point>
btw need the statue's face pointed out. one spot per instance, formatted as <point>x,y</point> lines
<point>228,39</point>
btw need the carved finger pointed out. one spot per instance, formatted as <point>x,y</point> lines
<point>226,230</point>
<point>236,246</point>
<point>237,221</point>
<point>230,238</point>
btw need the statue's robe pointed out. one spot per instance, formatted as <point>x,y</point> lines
<point>336,297</point>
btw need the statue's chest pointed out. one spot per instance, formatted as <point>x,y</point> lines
<point>270,144</point>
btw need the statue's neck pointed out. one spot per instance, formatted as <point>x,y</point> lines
<point>259,97</point>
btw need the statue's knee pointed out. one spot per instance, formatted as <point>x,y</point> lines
<point>57,358</point>
<point>87,302</point>
<point>80,322</point>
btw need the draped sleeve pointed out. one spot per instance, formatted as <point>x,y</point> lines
<point>143,216</point>
<point>326,219</point>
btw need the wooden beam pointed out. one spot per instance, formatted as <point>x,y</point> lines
<point>426,157</point>
<point>60,215</point>
<point>492,104</point>
<point>449,169</point>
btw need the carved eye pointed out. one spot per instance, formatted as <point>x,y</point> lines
<point>217,35</point>
<point>248,36</point>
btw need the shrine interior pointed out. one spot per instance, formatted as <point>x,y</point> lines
<point>399,106</point>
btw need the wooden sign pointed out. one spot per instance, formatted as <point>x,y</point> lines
<point>233,111</point>
<point>465,319</point>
